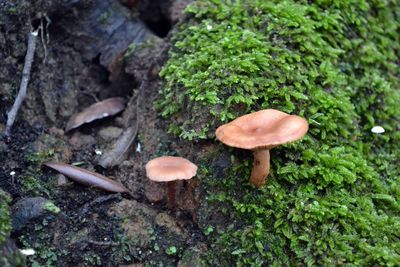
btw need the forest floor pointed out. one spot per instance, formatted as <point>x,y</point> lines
<point>88,51</point>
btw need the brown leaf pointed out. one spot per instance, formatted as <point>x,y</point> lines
<point>105,108</point>
<point>87,177</point>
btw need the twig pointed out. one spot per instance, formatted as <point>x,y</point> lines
<point>106,243</point>
<point>24,81</point>
<point>44,31</point>
<point>97,201</point>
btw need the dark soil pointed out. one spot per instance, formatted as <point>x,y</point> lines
<point>91,50</point>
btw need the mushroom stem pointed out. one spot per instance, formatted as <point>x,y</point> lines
<point>171,194</point>
<point>261,166</point>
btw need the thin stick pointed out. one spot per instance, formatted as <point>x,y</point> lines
<point>24,81</point>
<point>99,243</point>
<point>83,211</point>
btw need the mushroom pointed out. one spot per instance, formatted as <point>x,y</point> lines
<point>261,131</point>
<point>170,169</point>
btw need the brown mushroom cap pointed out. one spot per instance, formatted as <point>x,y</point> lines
<point>167,168</point>
<point>262,129</point>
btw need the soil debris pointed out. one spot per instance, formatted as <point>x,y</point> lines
<point>97,49</point>
<point>155,192</point>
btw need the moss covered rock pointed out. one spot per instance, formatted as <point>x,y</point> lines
<point>9,255</point>
<point>334,197</point>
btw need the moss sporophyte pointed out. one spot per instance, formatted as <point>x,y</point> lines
<point>332,198</point>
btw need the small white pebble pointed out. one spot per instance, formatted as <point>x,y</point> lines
<point>209,27</point>
<point>12,173</point>
<point>105,114</point>
<point>98,152</point>
<point>377,129</point>
<point>27,251</point>
<point>138,148</point>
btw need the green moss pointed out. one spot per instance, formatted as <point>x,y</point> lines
<point>9,256</point>
<point>39,238</point>
<point>5,222</point>
<point>333,198</point>
<point>31,181</point>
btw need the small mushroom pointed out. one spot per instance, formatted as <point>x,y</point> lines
<point>170,169</point>
<point>261,131</point>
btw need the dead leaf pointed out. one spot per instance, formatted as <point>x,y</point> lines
<point>105,108</point>
<point>87,177</point>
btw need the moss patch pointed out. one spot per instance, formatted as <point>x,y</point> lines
<point>5,222</point>
<point>334,197</point>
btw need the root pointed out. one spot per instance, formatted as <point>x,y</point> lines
<point>26,73</point>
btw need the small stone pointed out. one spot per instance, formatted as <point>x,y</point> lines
<point>79,140</point>
<point>28,209</point>
<point>61,180</point>
<point>110,133</point>
<point>155,192</point>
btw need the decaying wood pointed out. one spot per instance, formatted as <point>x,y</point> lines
<point>105,108</point>
<point>26,73</point>
<point>86,177</point>
<point>120,148</point>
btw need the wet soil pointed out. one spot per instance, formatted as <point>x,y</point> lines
<point>88,51</point>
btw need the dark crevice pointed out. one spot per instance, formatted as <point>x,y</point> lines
<point>160,27</point>
<point>153,14</point>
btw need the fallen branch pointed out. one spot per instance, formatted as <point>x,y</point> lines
<point>24,81</point>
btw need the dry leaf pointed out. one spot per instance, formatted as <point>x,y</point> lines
<point>87,177</point>
<point>105,108</point>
